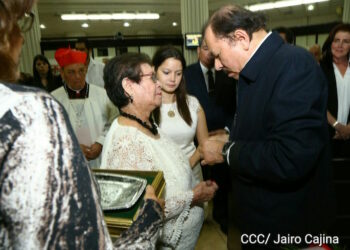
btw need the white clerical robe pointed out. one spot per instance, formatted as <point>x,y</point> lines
<point>97,115</point>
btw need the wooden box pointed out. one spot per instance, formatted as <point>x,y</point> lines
<point>119,220</point>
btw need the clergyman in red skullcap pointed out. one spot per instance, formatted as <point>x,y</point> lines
<point>87,105</point>
<point>68,56</point>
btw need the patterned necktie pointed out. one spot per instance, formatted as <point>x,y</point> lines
<point>211,84</point>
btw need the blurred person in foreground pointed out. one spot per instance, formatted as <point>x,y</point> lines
<point>135,143</point>
<point>278,150</point>
<point>336,67</point>
<point>89,109</point>
<point>48,198</point>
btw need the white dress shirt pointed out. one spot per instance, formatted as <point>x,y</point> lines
<point>205,71</point>
<point>343,91</point>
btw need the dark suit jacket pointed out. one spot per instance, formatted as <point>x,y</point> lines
<point>280,160</point>
<point>220,108</point>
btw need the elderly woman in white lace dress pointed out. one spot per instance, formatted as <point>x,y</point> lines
<point>134,143</point>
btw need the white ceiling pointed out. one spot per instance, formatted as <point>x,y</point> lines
<point>169,10</point>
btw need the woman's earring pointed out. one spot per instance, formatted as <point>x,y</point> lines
<point>131,99</point>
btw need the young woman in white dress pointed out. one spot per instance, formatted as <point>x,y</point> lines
<point>180,116</point>
<point>134,143</point>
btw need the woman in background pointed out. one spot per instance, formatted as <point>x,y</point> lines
<point>42,73</point>
<point>180,116</point>
<point>48,199</point>
<point>335,65</point>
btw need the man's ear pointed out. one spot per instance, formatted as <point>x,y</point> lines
<point>242,37</point>
<point>128,86</point>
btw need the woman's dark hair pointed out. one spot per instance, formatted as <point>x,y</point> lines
<point>11,11</point>
<point>232,17</point>
<point>36,75</point>
<point>159,57</point>
<point>327,46</point>
<point>124,66</point>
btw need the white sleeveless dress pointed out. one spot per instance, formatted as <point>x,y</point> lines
<point>180,132</point>
<point>128,148</point>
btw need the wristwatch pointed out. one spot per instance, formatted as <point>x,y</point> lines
<point>226,148</point>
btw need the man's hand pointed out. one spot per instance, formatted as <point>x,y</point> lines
<point>150,194</point>
<point>85,149</point>
<point>218,132</point>
<point>219,135</point>
<point>92,152</point>
<point>211,152</point>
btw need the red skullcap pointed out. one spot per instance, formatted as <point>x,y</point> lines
<point>67,56</point>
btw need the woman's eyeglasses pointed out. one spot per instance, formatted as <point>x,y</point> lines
<point>153,76</point>
<point>26,22</point>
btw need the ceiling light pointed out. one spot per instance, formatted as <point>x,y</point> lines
<point>42,26</point>
<point>311,7</point>
<point>114,16</point>
<point>174,24</point>
<point>126,24</point>
<point>85,25</point>
<point>281,4</point>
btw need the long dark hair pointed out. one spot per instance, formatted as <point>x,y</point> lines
<point>36,75</point>
<point>11,11</point>
<point>327,46</point>
<point>180,93</point>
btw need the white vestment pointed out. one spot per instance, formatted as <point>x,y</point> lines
<point>180,132</point>
<point>93,123</point>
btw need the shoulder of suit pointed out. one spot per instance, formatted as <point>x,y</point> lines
<point>191,66</point>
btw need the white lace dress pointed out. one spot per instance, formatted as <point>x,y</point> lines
<point>128,148</point>
<point>180,132</point>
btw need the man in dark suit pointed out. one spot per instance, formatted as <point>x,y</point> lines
<point>218,101</point>
<point>278,149</point>
<point>216,93</point>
